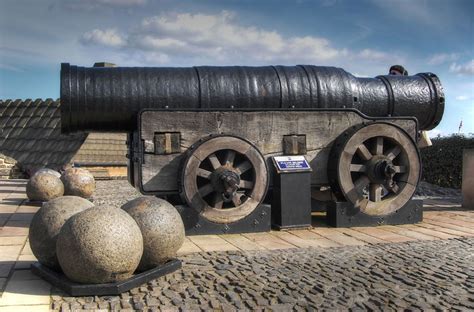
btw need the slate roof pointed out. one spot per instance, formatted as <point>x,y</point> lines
<point>103,149</point>
<point>30,132</point>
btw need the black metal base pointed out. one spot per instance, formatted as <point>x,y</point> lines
<point>291,202</point>
<point>60,281</point>
<point>195,224</point>
<point>343,214</point>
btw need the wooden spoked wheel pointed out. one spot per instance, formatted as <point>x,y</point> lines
<point>225,178</point>
<point>375,167</point>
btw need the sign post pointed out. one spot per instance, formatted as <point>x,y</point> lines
<point>291,202</point>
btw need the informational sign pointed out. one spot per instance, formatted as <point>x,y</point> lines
<point>291,163</point>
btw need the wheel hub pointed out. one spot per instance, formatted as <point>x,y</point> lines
<point>380,169</point>
<point>226,182</point>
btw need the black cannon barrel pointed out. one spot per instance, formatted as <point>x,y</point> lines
<point>109,98</point>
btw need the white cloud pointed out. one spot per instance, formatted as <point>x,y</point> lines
<point>370,54</point>
<point>462,98</point>
<point>122,2</point>
<point>156,57</point>
<point>95,4</point>
<point>463,69</point>
<point>220,36</point>
<point>412,11</point>
<point>11,68</point>
<point>438,59</point>
<point>220,39</point>
<point>108,37</point>
<point>149,42</point>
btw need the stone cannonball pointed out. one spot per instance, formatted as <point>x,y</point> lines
<point>78,182</point>
<point>162,229</point>
<point>44,186</point>
<point>47,224</point>
<point>50,171</point>
<point>102,244</point>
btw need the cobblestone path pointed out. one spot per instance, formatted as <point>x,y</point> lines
<point>416,276</point>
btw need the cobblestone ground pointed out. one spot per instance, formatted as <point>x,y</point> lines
<point>113,192</point>
<point>416,276</point>
<point>118,192</point>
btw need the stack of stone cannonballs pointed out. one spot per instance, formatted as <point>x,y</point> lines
<point>47,184</point>
<point>44,185</point>
<point>47,223</point>
<point>99,245</point>
<point>161,226</point>
<point>104,244</point>
<point>78,182</point>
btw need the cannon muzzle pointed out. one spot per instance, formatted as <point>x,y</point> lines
<point>109,98</point>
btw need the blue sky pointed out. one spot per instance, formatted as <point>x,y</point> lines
<point>364,37</point>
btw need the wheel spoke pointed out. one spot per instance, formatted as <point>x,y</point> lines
<point>379,146</point>
<point>204,173</point>
<point>393,152</point>
<point>363,152</point>
<point>246,184</point>
<point>236,199</point>
<point>244,167</point>
<point>400,169</point>
<point>218,201</point>
<point>394,188</point>
<point>357,168</point>
<point>214,161</point>
<point>229,158</point>
<point>360,183</point>
<point>375,192</point>
<point>206,190</point>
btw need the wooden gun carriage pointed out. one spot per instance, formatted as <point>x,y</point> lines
<point>203,137</point>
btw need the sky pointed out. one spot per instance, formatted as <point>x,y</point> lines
<point>364,37</point>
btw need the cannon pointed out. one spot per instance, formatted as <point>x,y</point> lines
<point>204,136</point>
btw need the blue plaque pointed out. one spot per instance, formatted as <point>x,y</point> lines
<point>291,163</point>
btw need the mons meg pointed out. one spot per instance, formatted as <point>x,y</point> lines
<point>205,138</point>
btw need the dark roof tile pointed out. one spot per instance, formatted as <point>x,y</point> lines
<point>30,132</point>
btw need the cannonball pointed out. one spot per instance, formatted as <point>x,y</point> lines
<point>78,182</point>
<point>161,226</point>
<point>50,171</point>
<point>44,186</point>
<point>47,223</point>
<point>102,244</point>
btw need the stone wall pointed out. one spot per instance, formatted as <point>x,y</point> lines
<point>468,179</point>
<point>9,168</point>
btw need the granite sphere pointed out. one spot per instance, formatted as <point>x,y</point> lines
<point>47,223</point>
<point>44,186</point>
<point>102,244</point>
<point>78,182</point>
<point>50,171</point>
<point>161,226</point>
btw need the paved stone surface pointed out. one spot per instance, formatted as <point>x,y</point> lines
<point>115,193</point>
<point>436,274</point>
<point>389,268</point>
